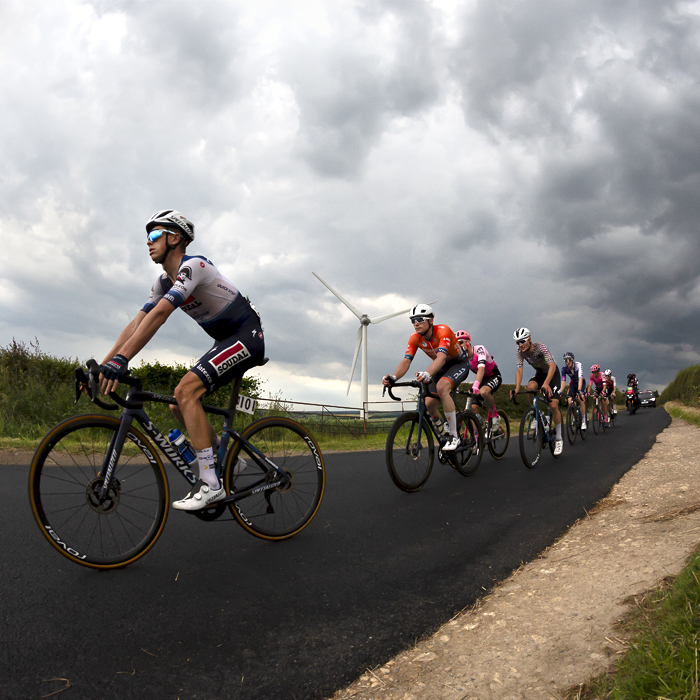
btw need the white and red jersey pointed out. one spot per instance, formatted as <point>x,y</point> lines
<point>203,293</point>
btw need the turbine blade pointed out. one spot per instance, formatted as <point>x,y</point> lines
<point>384,318</point>
<point>354,359</point>
<point>347,303</point>
<point>398,313</point>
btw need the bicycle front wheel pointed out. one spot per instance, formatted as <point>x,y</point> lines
<point>571,424</point>
<point>65,482</point>
<point>281,512</point>
<point>467,458</point>
<point>530,439</point>
<point>409,456</point>
<point>499,442</point>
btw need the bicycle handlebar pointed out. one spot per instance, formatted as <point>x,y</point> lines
<point>413,383</point>
<point>91,383</point>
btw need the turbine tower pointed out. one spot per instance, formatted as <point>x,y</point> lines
<point>365,320</point>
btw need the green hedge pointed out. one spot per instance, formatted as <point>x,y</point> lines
<point>37,390</point>
<point>685,387</point>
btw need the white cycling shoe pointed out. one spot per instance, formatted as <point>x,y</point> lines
<point>495,424</point>
<point>584,426</point>
<point>452,444</point>
<point>558,447</point>
<point>200,496</point>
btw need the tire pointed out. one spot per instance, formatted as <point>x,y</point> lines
<point>499,444</point>
<point>471,436</point>
<point>64,481</point>
<point>571,424</point>
<point>408,459</point>
<point>282,512</point>
<point>530,439</point>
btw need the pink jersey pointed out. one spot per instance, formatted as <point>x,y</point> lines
<point>482,358</point>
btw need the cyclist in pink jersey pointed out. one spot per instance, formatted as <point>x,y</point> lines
<point>488,376</point>
<point>598,388</point>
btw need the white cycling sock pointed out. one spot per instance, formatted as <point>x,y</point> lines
<point>451,422</point>
<point>557,430</point>
<point>207,473</point>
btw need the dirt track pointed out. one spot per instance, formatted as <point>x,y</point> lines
<point>551,625</point>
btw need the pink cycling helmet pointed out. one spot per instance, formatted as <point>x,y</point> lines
<point>595,368</point>
<point>463,335</point>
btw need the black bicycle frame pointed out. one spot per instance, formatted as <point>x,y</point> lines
<point>133,410</point>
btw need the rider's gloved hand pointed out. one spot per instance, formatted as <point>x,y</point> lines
<point>115,368</point>
<point>475,388</point>
<point>423,377</point>
<point>389,379</point>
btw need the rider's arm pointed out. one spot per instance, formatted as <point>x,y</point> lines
<point>518,379</point>
<point>128,331</point>
<point>400,370</point>
<point>550,373</point>
<point>437,364</point>
<point>147,328</point>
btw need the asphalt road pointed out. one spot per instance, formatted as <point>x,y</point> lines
<point>212,612</point>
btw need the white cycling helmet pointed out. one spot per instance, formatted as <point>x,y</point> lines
<point>521,334</point>
<point>422,310</point>
<point>170,217</point>
<point>608,373</point>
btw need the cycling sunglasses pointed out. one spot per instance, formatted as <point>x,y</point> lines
<point>419,319</point>
<point>521,342</point>
<point>157,233</point>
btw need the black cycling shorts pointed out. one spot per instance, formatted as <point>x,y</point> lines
<point>455,370</point>
<point>573,389</point>
<point>554,385</point>
<point>494,381</point>
<point>231,357</point>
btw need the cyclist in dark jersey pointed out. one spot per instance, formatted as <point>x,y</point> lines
<point>193,284</point>
<point>546,377</point>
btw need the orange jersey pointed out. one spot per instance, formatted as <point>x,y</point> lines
<point>443,340</point>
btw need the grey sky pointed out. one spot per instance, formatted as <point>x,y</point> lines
<point>524,163</point>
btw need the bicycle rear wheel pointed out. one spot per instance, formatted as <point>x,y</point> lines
<point>468,456</point>
<point>409,456</point>
<point>64,486</point>
<point>499,442</point>
<point>530,439</point>
<point>571,424</point>
<point>281,512</point>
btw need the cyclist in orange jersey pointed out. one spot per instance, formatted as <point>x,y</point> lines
<point>449,367</point>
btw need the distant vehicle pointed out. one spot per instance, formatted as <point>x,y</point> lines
<point>647,399</point>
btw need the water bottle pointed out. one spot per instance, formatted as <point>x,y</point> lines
<point>439,425</point>
<point>545,421</point>
<point>181,444</point>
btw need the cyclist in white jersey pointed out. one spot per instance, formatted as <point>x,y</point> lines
<point>193,284</point>
<point>546,377</point>
<point>577,385</point>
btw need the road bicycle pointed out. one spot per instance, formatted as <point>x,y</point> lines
<point>496,441</point>
<point>612,414</point>
<point>574,422</point>
<point>100,493</point>
<point>536,429</point>
<point>410,444</point>
<point>600,425</point>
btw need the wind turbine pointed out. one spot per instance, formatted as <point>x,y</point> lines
<point>365,320</point>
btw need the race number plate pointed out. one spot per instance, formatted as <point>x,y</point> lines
<point>246,404</point>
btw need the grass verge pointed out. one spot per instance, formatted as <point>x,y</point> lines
<point>690,414</point>
<point>663,629</point>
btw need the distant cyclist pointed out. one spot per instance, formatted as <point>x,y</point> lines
<point>577,383</point>
<point>488,376</point>
<point>546,377</point>
<point>193,284</point>
<point>599,389</point>
<point>611,386</point>
<point>448,369</point>
<point>632,380</point>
